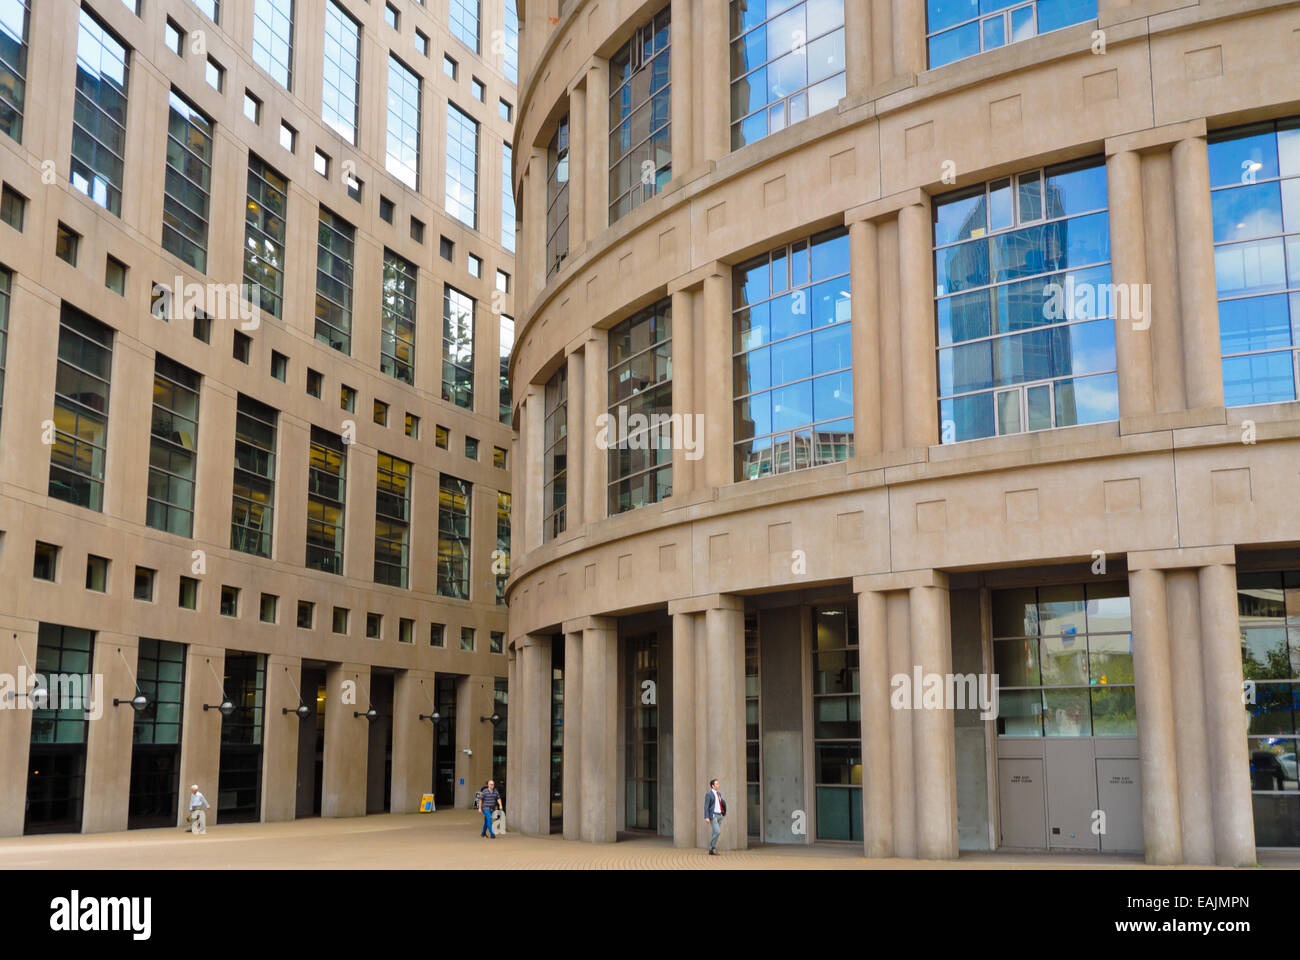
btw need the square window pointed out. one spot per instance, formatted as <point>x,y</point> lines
<point>97,574</point>
<point>144,579</point>
<point>354,187</point>
<point>476,87</point>
<point>215,74</point>
<point>385,209</point>
<point>66,242</point>
<point>160,302</point>
<point>202,327</point>
<point>440,436</point>
<point>115,275</point>
<point>321,163</point>
<point>475,266</point>
<point>252,107</point>
<point>417,230</point>
<point>174,37</point>
<point>374,626</point>
<point>446,249</point>
<point>381,413</point>
<point>391,16</point>
<point>306,614</point>
<point>471,447</point>
<point>499,457</point>
<point>503,281</point>
<point>230,601</point>
<point>279,366</point>
<point>46,565</point>
<point>449,66</point>
<point>188,596</point>
<point>413,426</point>
<point>467,638</point>
<point>505,110</point>
<point>268,609</point>
<point>437,635</point>
<point>340,620</point>
<point>496,642</point>
<point>315,383</point>
<point>288,137</point>
<point>421,43</point>
<point>243,348</point>
<point>405,631</point>
<point>12,207</point>
<point>348,398</point>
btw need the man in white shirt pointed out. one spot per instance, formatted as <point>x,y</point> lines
<point>715,808</point>
<point>198,804</point>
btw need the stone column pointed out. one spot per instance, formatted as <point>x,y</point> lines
<point>1192,751</point>
<point>514,725</point>
<point>106,793</point>
<point>580,442</point>
<point>714,93</point>
<point>1203,369</point>
<point>910,54</point>
<point>686,807</point>
<point>591,384</point>
<point>412,739</point>
<point>531,262</point>
<point>579,146</point>
<point>18,640</point>
<point>571,770</point>
<point>866,336</point>
<point>719,467</point>
<point>916,311</point>
<point>599,801</point>
<point>596,155</point>
<point>347,740</point>
<point>1128,269</point>
<point>475,700</point>
<point>280,732</point>
<point>683,362</point>
<point>873,670</point>
<point>532,470</point>
<point>201,729</point>
<point>683,92</point>
<point>724,626</point>
<point>902,768</point>
<point>534,801</point>
<point>857,48</point>
<point>934,741</point>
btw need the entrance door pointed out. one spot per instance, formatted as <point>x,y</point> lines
<point>642,701</point>
<point>1022,802</point>
<point>444,745</point>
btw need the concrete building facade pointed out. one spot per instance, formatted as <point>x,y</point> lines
<point>256,281</point>
<point>869,353</point>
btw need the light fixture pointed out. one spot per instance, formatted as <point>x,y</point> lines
<point>139,703</point>
<point>372,714</point>
<point>302,710</point>
<point>436,717</point>
<point>496,718</point>
<point>226,707</point>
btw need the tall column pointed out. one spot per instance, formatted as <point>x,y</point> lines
<point>1225,716</point>
<point>571,771</point>
<point>475,701</point>
<point>595,463</point>
<point>686,806</point>
<point>280,733</point>
<point>533,467</point>
<point>1128,269</point>
<point>18,642</point>
<point>877,801</point>
<point>534,802</point>
<point>597,152</point>
<point>1203,370</point>
<point>882,40</point>
<point>909,37</point>
<point>579,146</point>
<point>916,340</point>
<point>902,768</point>
<point>514,722</point>
<point>106,795</point>
<point>857,48</point>
<point>683,92</point>
<point>412,739</point>
<point>1192,751</point>
<point>725,711</point>
<point>863,264</point>
<point>718,464</point>
<point>532,255</point>
<point>599,801</point>
<point>201,742</point>
<point>683,361</point>
<point>1157,749</point>
<point>580,443</point>
<point>347,738</point>
<point>714,93</point>
<point>933,738</point>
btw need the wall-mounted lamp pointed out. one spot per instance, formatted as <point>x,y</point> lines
<point>226,707</point>
<point>302,710</point>
<point>139,703</point>
<point>436,717</point>
<point>372,714</point>
<point>496,719</point>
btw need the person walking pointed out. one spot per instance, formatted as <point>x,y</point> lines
<point>198,804</point>
<point>715,808</point>
<point>488,802</point>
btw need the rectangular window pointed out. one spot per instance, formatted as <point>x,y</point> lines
<point>957,29</point>
<point>306,614</point>
<point>81,410</point>
<point>66,244</point>
<point>45,562</point>
<point>6,284</point>
<point>440,436</point>
<point>397,319</point>
<point>335,245</point>
<point>252,508</point>
<point>471,448</point>
<point>457,348</point>
<point>97,573</point>
<point>512,42</point>
<point>555,453</point>
<point>144,580</point>
<point>12,207</point>
<point>467,638</point>
<point>211,7</point>
<point>1255,204</point>
<point>14,23</point>
<point>402,158</point>
<point>640,144</point>
<point>339,82</point>
<point>507,197</point>
<point>461,199</point>
<point>173,448</point>
<point>279,366</point>
<point>264,236</point>
<point>641,386</point>
<point>557,198</point>
<point>339,620</point>
<point>505,414</point>
<point>453,537</point>
<point>392,521</point>
<point>215,75</point>
<point>229,601</point>
<point>837,725</point>
<point>326,486</point>
<point>463,16</point>
<point>273,39</point>
<point>188,183</point>
<point>437,634</point>
<point>187,594</point>
<point>1013,354</point>
<point>99,114</point>
<point>785,67</point>
<point>792,365</point>
<point>501,559</point>
<point>269,608</point>
<point>56,782</point>
<point>115,275</point>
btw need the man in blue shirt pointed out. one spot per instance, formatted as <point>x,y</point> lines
<point>715,808</point>
<point>488,802</point>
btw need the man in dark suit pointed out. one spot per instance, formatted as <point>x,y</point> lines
<point>715,808</point>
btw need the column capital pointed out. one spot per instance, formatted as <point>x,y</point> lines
<point>1181,557</point>
<point>1144,141</point>
<point>704,602</point>
<point>901,580</point>
<point>532,640</point>
<point>887,206</point>
<point>695,278</point>
<point>583,624</point>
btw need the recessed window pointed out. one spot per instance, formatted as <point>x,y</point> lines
<point>66,243</point>
<point>385,209</point>
<point>381,413</point>
<point>215,74</point>
<point>405,631</point>
<point>252,107</point>
<point>476,87</point>
<point>115,275</point>
<point>160,302</point>
<point>279,366</point>
<point>446,249</point>
<point>339,621</point>
<point>288,137</point>
<point>202,326</point>
<point>46,565</point>
<point>440,436</point>
<point>504,110</point>
<point>144,580</point>
<point>12,207</point>
<point>174,37</point>
<point>421,43</point>
<point>499,457</point>
<point>503,281</point>
<point>437,634</point>
<point>187,596</point>
<point>355,186</point>
<point>413,426</point>
<point>496,642</point>
<point>97,574</point>
<point>306,614</point>
<point>347,398</point>
<point>229,601</point>
<point>315,383</point>
<point>449,66</point>
<point>374,626</point>
<point>243,348</point>
<point>417,230</point>
<point>475,266</point>
<point>467,638</point>
<point>268,609</point>
<point>391,16</point>
<point>471,447</point>
<point>321,164</point>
